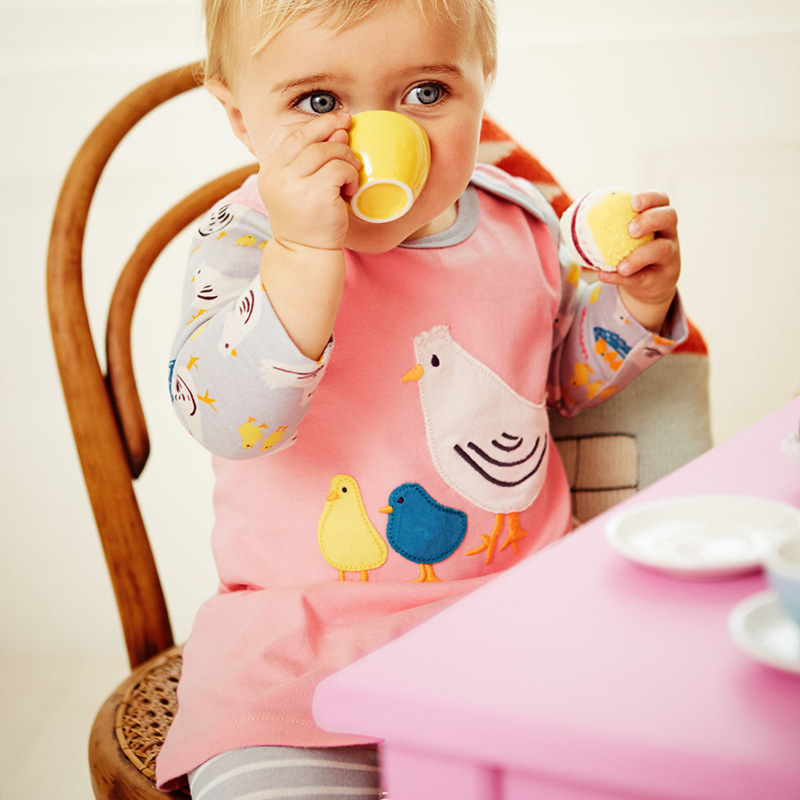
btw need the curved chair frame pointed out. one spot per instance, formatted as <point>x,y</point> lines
<point>106,415</point>
<point>112,441</point>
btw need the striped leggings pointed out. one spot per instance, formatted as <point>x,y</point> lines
<point>264,773</point>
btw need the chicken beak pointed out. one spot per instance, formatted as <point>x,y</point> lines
<point>334,495</point>
<point>385,510</point>
<point>414,374</point>
<point>233,352</point>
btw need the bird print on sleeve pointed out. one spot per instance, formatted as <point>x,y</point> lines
<point>238,324</point>
<point>487,442</point>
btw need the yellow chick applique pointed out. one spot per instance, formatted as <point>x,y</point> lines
<point>347,538</point>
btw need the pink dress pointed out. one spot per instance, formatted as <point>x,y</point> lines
<point>360,494</point>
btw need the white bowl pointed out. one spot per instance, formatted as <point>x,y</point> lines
<point>783,570</point>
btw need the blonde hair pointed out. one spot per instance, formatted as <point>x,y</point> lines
<point>224,17</point>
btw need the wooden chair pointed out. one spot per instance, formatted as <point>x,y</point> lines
<point>111,436</point>
<point>112,442</point>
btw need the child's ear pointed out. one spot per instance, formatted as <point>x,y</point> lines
<point>223,93</point>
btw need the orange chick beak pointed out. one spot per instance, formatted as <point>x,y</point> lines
<point>414,374</point>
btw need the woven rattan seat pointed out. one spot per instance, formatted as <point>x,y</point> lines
<point>146,711</point>
<point>130,727</point>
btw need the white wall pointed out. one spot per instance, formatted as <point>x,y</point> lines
<point>697,96</point>
<point>703,100</point>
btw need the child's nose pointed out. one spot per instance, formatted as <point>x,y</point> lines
<point>372,104</point>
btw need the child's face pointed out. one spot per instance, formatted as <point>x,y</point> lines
<point>392,60</point>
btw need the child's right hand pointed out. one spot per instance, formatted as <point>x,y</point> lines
<point>305,169</point>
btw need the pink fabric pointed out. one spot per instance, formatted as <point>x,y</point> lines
<point>425,440</point>
<point>608,679</point>
<point>282,620</point>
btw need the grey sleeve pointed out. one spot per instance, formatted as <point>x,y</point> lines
<point>237,381</point>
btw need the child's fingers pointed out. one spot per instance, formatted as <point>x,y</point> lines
<point>304,148</point>
<point>289,141</point>
<point>649,199</point>
<point>341,176</point>
<point>656,253</point>
<point>662,220</point>
<point>649,274</point>
<point>316,156</point>
<point>611,278</point>
<point>339,135</point>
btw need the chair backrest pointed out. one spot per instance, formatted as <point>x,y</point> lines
<point>104,408</point>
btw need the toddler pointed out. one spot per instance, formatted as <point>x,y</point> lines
<point>374,394</point>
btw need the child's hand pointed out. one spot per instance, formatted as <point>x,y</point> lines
<point>305,168</point>
<point>648,277</point>
<point>303,173</point>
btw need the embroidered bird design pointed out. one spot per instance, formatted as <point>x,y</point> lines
<point>421,529</point>
<point>347,538</point>
<point>487,442</point>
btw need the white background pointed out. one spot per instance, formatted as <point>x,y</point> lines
<point>699,97</point>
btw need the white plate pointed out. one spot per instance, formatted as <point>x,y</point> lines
<point>761,628</point>
<point>703,536</point>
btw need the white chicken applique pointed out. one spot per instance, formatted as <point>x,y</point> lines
<point>486,441</point>
<point>241,320</point>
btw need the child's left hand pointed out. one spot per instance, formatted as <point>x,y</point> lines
<point>648,277</point>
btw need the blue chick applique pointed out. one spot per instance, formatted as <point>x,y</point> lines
<point>422,530</point>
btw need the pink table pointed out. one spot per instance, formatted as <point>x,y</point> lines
<point>578,674</point>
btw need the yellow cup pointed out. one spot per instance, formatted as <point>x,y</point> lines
<point>396,155</point>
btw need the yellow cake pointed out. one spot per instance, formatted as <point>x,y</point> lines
<point>594,229</point>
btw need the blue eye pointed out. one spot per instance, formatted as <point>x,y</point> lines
<point>317,103</point>
<point>426,94</point>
